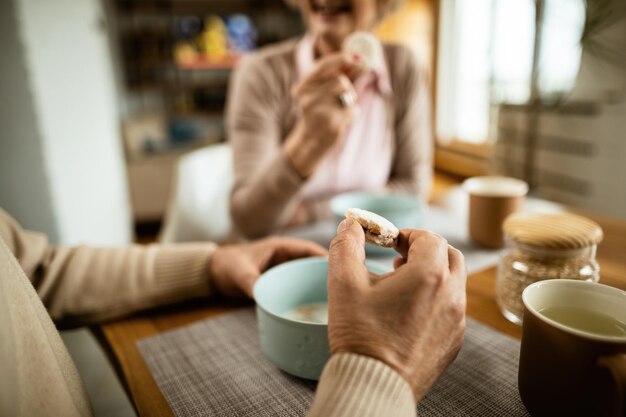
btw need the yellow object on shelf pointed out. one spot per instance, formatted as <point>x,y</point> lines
<point>213,41</point>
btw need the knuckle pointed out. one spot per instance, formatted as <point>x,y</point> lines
<point>420,233</point>
<point>457,309</point>
<point>456,252</point>
<point>440,239</point>
<point>462,326</point>
<point>435,277</point>
<point>435,237</point>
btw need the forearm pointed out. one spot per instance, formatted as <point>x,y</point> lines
<point>413,163</point>
<point>265,182</point>
<point>355,385</point>
<point>82,284</point>
<point>260,204</point>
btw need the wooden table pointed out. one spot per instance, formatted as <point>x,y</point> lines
<point>121,336</point>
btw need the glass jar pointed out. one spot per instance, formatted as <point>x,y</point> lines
<point>521,265</point>
<point>540,247</point>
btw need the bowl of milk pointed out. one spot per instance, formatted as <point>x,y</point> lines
<point>292,314</point>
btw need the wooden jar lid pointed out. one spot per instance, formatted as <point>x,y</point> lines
<point>553,231</point>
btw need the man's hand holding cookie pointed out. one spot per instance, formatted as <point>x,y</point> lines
<point>378,230</point>
<point>413,318</point>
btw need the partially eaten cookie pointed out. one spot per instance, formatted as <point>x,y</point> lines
<point>378,230</point>
<point>367,46</point>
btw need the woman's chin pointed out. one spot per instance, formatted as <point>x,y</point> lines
<point>332,35</point>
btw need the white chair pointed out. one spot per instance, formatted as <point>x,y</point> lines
<point>199,202</point>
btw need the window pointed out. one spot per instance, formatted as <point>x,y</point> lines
<point>486,50</point>
<point>559,57</point>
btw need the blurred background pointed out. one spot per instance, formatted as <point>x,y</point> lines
<point>99,99</point>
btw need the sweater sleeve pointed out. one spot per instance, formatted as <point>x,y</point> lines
<point>355,385</point>
<point>85,284</point>
<point>265,181</point>
<point>413,163</point>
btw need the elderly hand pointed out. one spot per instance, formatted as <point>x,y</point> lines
<point>235,268</point>
<point>324,119</point>
<point>413,318</point>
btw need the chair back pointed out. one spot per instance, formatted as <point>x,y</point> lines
<point>199,204</point>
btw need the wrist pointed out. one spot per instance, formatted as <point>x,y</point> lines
<point>388,358</point>
<point>347,376</point>
<point>213,269</point>
<point>218,275</point>
<point>304,151</point>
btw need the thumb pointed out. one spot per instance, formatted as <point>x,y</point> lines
<point>346,261</point>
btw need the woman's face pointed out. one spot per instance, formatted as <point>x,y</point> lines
<point>333,20</point>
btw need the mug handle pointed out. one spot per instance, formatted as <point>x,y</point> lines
<point>616,365</point>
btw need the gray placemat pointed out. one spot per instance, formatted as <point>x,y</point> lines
<point>216,368</point>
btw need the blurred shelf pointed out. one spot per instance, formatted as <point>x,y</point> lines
<point>163,88</point>
<point>176,86</point>
<point>225,63</point>
<point>181,7</point>
<point>205,113</point>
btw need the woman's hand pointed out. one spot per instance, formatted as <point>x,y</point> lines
<point>235,268</point>
<point>413,318</point>
<point>325,119</point>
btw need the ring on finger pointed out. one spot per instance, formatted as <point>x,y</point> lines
<point>346,99</point>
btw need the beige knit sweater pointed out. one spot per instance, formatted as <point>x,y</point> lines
<point>260,115</point>
<point>81,284</point>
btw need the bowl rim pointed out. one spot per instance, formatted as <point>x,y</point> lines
<point>371,194</point>
<point>495,186</point>
<point>312,259</point>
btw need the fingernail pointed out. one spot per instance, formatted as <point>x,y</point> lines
<point>345,225</point>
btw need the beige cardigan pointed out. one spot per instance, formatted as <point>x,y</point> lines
<point>80,284</point>
<point>260,115</point>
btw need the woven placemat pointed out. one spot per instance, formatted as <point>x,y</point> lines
<point>216,368</point>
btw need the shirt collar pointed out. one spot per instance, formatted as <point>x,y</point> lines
<point>305,62</point>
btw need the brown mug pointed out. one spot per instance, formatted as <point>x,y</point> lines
<point>492,199</point>
<point>573,355</point>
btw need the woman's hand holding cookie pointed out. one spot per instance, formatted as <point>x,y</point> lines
<point>413,318</point>
<point>325,116</point>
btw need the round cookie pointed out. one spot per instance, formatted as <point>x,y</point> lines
<point>378,230</point>
<point>365,45</point>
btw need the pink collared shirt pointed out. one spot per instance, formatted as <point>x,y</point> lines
<point>362,161</point>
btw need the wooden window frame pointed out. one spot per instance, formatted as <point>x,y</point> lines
<point>457,157</point>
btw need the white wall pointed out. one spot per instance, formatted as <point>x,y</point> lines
<point>24,183</point>
<point>69,75</point>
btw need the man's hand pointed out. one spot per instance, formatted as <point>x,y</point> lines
<point>413,318</point>
<point>235,268</point>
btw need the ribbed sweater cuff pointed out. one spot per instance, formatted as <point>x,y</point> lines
<point>356,385</point>
<point>183,270</point>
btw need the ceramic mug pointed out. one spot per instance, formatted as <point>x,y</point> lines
<point>573,353</point>
<point>492,199</point>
